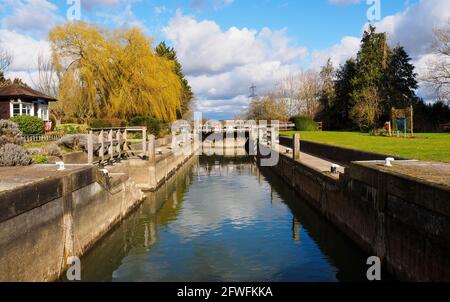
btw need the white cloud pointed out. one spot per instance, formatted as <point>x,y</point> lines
<point>413,27</point>
<point>25,51</point>
<point>222,64</point>
<point>216,4</point>
<point>36,16</point>
<point>160,9</point>
<point>125,19</point>
<point>339,53</point>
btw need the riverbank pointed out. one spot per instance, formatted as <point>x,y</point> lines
<point>398,214</point>
<point>48,216</point>
<point>424,146</point>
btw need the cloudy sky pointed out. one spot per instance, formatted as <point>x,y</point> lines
<point>226,46</point>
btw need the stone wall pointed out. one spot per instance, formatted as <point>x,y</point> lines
<point>44,223</point>
<point>404,221</point>
<point>337,154</point>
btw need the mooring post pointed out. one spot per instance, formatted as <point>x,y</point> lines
<point>144,141</point>
<point>151,149</point>
<point>296,146</point>
<point>111,145</point>
<point>119,138</point>
<point>90,147</point>
<point>101,140</point>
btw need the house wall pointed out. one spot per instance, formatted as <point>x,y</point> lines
<point>4,110</point>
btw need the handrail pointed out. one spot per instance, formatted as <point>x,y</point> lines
<point>113,143</point>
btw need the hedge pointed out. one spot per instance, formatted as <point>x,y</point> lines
<point>153,125</point>
<point>304,123</point>
<point>72,128</point>
<point>108,123</point>
<point>29,125</point>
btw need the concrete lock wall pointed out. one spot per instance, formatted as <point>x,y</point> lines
<point>64,217</point>
<point>149,176</point>
<point>42,224</point>
<point>334,153</point>
<point>403,221</point>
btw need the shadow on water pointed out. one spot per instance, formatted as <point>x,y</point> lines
<point>138,232</point>
<point>224,219</point>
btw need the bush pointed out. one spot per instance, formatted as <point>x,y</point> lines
<point>303,123</point>
<point>71,120</point>
<point>14,155</point>
<point>153,125</point>
<point>29,125</point>
<point>53,120</point>
<point>10,133</point>
<point>40,159</point>
<point>72,129</point>
<point>108,123</point>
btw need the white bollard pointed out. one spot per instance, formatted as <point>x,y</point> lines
<point>388,162</point>
<point>61,166</point>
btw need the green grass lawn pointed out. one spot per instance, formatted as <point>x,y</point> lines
<point>425,146</point>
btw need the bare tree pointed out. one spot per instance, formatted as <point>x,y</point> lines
<point>309,93</point>
<point>268,107</point>
<point>47,80</point>
<point>437,75</point>
<point>288,91</point>
<point>5,60</point>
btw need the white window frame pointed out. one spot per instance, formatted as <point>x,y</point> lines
<point>42,112</point>
<point>22,106</point>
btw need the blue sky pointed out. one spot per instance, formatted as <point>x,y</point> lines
<point>226,45</point>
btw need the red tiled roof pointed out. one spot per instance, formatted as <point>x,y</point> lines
<point>18,91</point>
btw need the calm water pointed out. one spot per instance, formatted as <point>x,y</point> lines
<point>224,220</point>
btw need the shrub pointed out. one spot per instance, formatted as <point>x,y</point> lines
<point>153,125</point>
<point>10,133</point>
<point>70,120</point>
<point>40,159</point>
<point>72,129</point>
<point>29,125</point>
<point>304,123</point>
<point>53,120</point>
<point>14,155</point>
<point>108,123</point>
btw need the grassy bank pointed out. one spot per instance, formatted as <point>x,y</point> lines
<point>425,146</point>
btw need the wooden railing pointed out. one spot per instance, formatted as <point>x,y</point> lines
<point>287,126</point>
<point>109,144</point>
<point>42,138</point>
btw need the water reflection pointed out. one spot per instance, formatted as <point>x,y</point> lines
<point>224,219</point>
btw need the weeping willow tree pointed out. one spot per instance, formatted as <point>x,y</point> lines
<point>117,74</point>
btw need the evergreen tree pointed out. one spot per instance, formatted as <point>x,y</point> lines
<point>2,78</point>
<point>401,83</point>
<point>4,81</point>
<point>343,102</point>
<point>371,66</point>
<point>169,53</point>
<point>327,79</point>
<point>327,95</point>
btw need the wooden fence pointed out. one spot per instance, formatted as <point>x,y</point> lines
<point>42,138</point>
<point>109,144</point>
